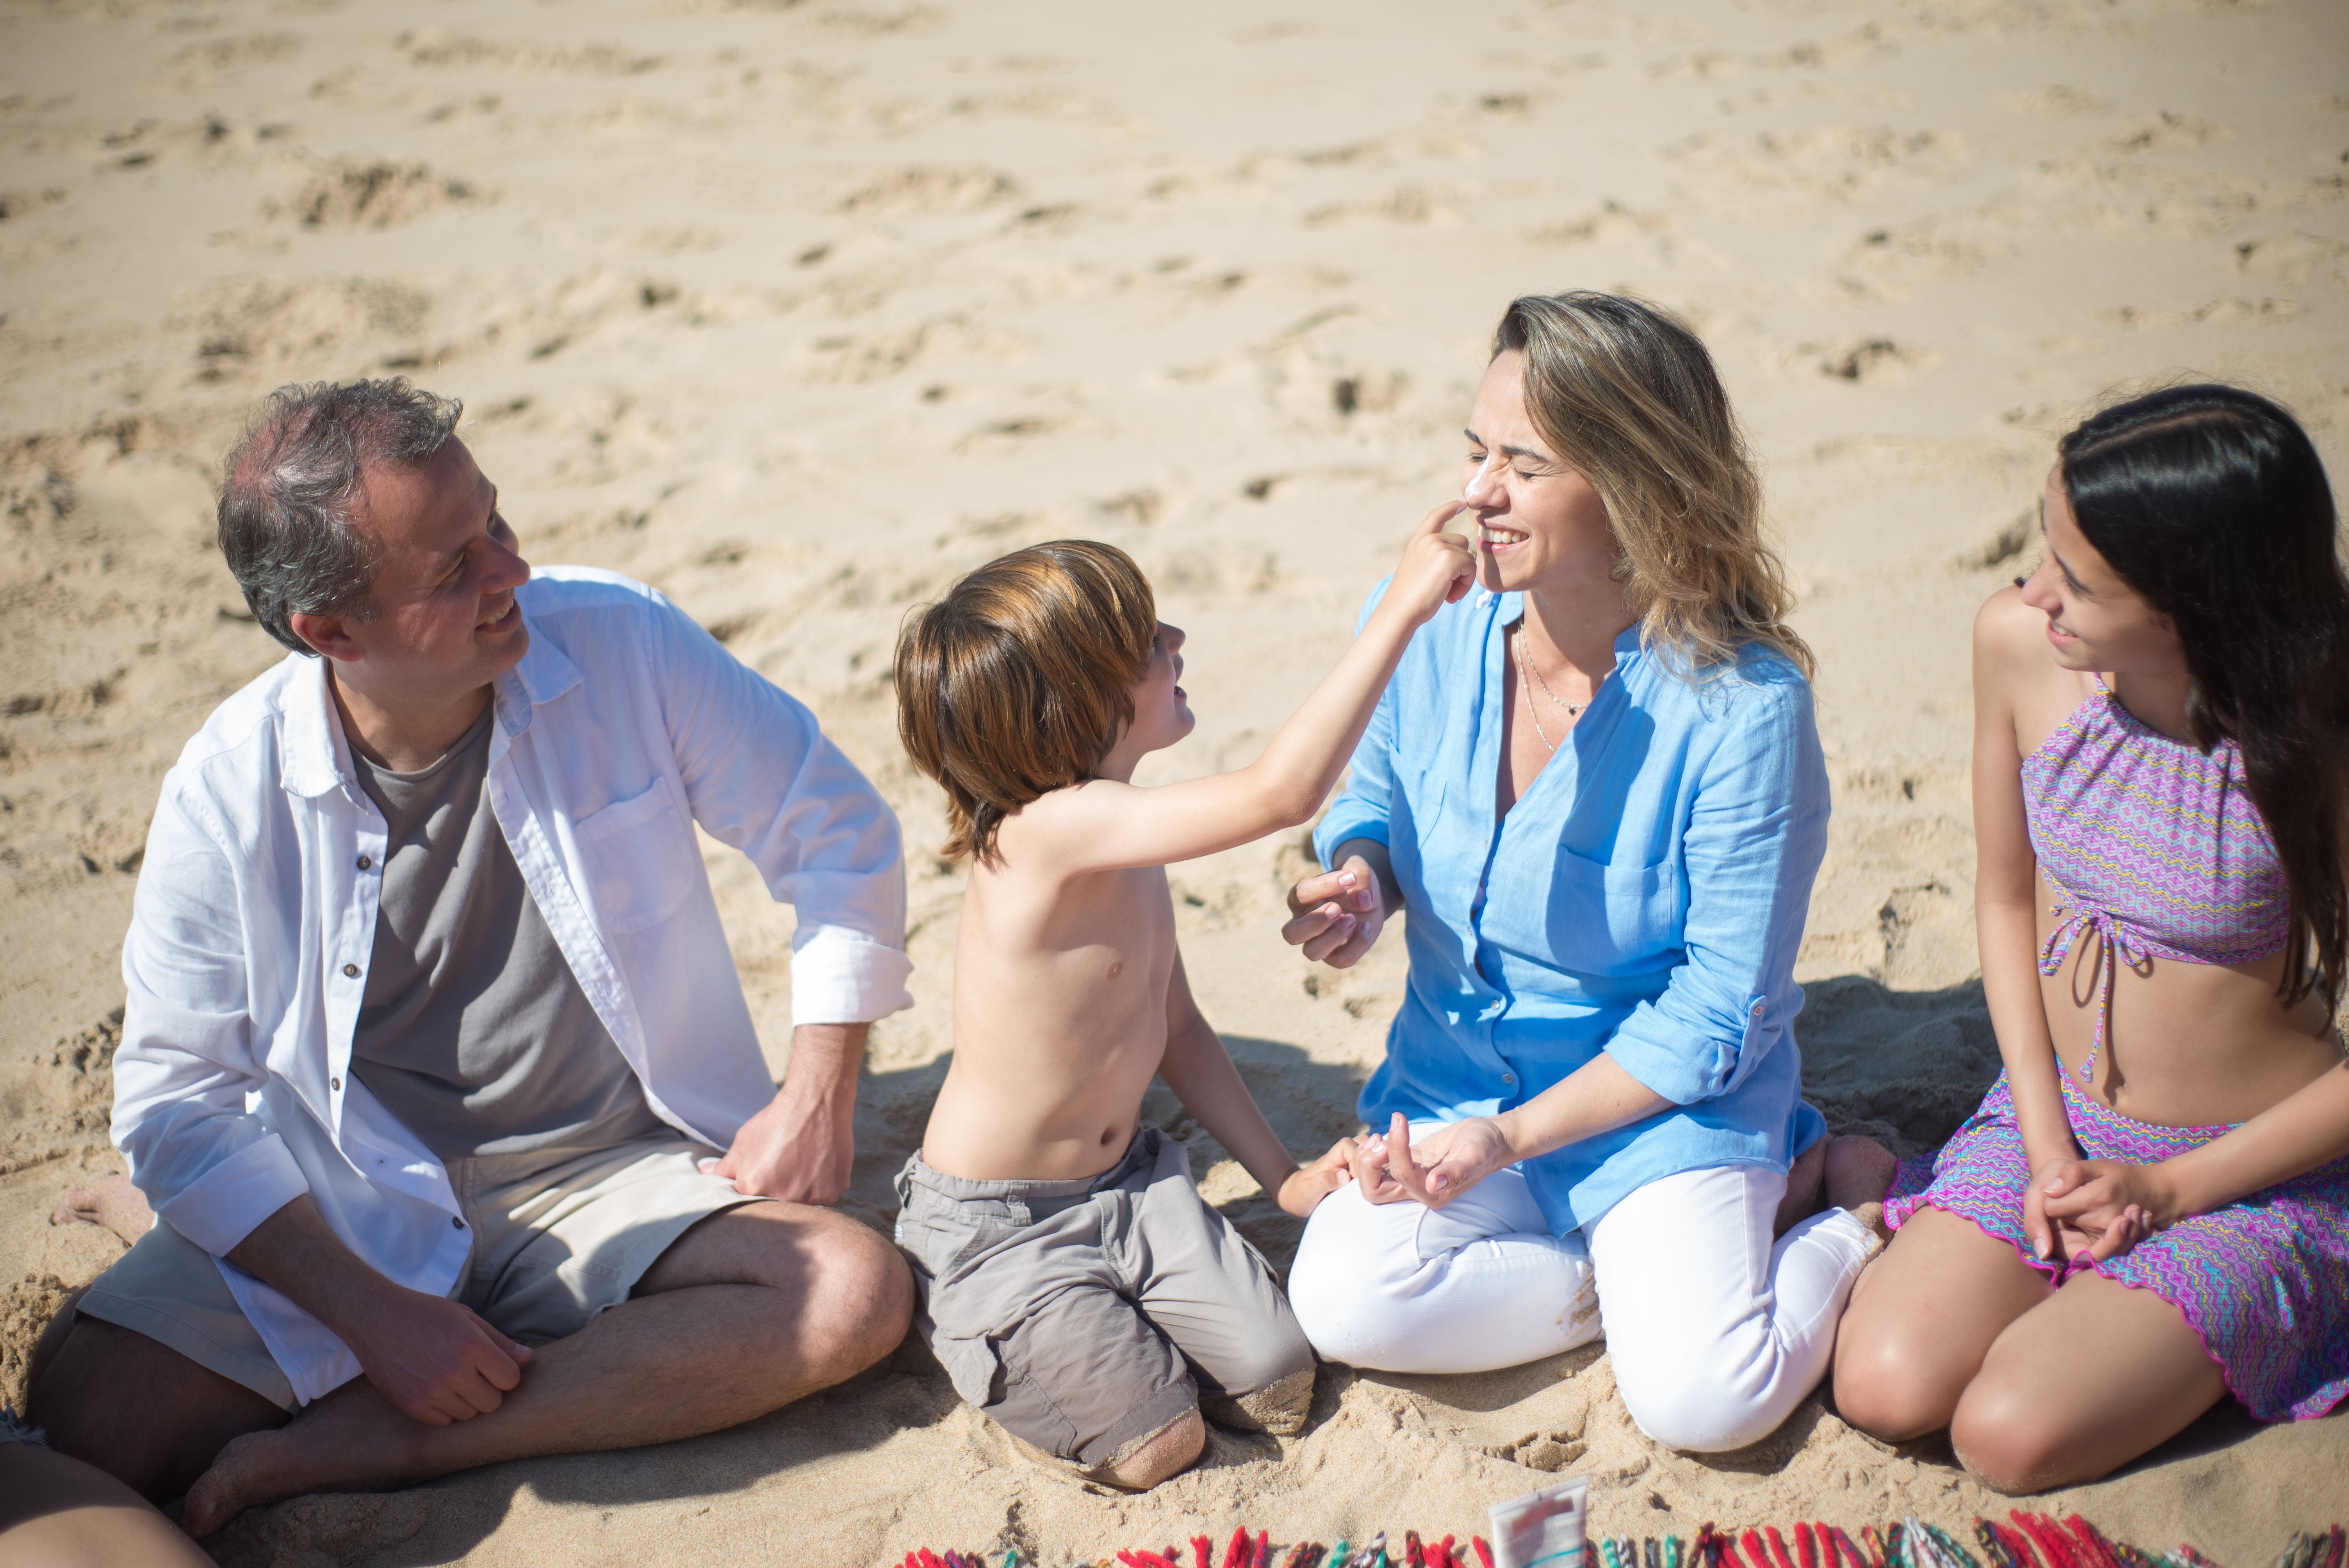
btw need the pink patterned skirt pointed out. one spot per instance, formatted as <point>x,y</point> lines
<point>2264,1281</point>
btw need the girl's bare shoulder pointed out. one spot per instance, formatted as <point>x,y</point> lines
<point>2009,632</point>
<point>2015,672</point>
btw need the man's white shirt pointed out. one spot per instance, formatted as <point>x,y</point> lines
<point>624,725</point>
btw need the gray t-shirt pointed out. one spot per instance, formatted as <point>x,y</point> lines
<point>474,1032</point>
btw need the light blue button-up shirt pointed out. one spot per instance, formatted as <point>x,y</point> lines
<point>1644,897</point>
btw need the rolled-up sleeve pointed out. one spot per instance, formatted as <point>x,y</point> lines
<point>189,1056</point>
<point>761,776</point>
<point>1755,834</point>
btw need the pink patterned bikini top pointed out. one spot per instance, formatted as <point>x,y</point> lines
<point>2151,844</point>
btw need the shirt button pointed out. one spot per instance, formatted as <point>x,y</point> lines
<point>351,971</point>
<point>334,1084</point>
<point>457,1223</point>
<point>1509,1078</point>
<point>365,861</point>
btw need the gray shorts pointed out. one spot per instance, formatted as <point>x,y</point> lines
<point>553,1245</point>
<point>1085,1316</point>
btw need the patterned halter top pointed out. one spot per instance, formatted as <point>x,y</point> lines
<point>2152,845</point>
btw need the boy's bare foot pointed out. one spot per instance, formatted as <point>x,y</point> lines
<point>1803,1179</point>
<point>1858,1173</point>
<point>111,1201</point>
<point>1278,1408</point>
<point>1169,1451</point>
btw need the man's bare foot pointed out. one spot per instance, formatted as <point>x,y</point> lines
<point>1858,1173</point>
<point>338,1443</point>
<point>1165,1452</point>
<point>111,1201</point>
<point>1803,1178</point>
<point>256,1468</point>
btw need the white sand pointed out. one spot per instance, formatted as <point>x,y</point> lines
<point>798,310</point>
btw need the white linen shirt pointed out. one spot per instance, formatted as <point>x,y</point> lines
<point>622,726</point>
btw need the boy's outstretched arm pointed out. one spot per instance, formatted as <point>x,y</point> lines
<point>1200,1072</point>
<point>1103,825</point>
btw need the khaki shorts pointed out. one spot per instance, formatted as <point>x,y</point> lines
<point>1085,1316</point>
<point>553,1245</point>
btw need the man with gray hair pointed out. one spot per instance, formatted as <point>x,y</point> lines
<point>435,1067</point>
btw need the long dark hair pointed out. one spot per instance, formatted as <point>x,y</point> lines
<point>2212,503</point>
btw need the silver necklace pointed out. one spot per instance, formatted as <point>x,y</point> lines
<point>1526,665</point>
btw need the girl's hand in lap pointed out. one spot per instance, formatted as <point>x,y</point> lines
<point>1305,1189</point>
<point>2108,1204</point>
<point>1337,916</point>
<point>1448,1161</point>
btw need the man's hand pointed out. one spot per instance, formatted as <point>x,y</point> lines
<point>431,1357</point>
<point>801,1147</point>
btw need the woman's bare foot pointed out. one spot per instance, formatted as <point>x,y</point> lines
<point>1803,1179</point>
<point>1858,1173</point>
<point>110,1201</point>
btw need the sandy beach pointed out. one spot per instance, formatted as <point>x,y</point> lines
<point>797,310</point>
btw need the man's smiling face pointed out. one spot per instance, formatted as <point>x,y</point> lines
<point>445,622</point>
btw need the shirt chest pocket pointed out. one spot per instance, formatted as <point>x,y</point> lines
<point>641,859</point>
<point>1605,919</point>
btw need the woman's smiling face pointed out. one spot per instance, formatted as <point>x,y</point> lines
<point>2095,620</point>
<point>1538,523</point>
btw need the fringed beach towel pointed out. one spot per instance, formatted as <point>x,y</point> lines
<point>2027,1541</point>
<point>2264,1281</point>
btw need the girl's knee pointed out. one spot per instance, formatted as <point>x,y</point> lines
<point>1889,1388</point>
<point>2014,1439</point>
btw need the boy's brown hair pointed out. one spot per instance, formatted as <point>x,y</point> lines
<point>1020,680</point>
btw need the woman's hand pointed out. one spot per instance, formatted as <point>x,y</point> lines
<point>1447,1163</point>
<point>2107,1206</point>
<point>1337,916</point>
<point>1305,1189</point>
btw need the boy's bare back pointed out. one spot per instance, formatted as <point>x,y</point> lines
<point>1070,995</point>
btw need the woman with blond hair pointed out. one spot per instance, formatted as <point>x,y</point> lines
<point>1597,787</point>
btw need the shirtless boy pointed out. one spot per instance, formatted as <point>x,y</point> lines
<point>1074,1284</point>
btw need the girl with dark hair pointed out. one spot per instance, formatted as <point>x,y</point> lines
<point>2151,1208</point>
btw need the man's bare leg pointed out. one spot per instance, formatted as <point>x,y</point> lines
<point>136,1408</point>
<point>111,1201</point>
<point>748,1311</point>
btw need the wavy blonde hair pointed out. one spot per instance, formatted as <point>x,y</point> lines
<point>1625,394</point>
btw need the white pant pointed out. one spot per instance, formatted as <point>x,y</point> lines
<point>1716,1335</point>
